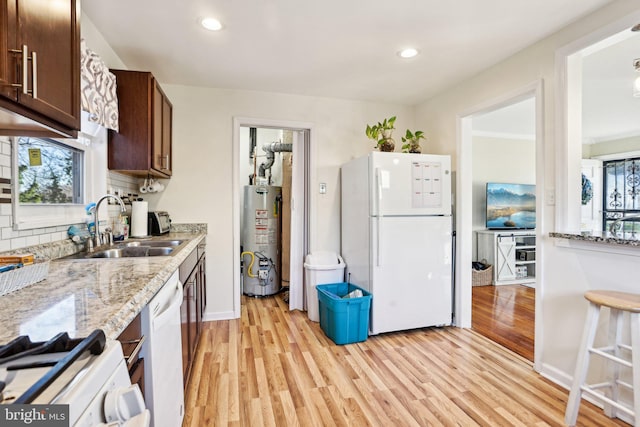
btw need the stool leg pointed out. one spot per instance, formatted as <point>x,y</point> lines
<point>614,341</point>
<point>582,364</point>
<point>635,361</point>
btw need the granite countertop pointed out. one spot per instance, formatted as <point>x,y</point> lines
<point>626,239</point>
<point>80,295</point>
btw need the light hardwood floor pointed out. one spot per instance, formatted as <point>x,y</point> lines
<point>273,367</point>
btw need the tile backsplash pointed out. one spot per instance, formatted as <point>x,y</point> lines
<point>11,239</point>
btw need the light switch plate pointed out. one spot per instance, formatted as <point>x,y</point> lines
<point>550,196</point>
<point>323,188</point>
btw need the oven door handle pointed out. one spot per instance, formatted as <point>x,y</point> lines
<point>95,343</point>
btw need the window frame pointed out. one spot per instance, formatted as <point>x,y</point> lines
<point>611,214</point>
<point>31,216</point>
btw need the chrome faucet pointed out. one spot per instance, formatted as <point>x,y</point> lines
<point>613,228</point>
<point>100,239</point>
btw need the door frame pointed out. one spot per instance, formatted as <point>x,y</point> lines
<point>464,202</point>
<point>308,177</point>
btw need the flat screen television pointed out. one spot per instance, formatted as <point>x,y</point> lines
<point>511,206</point>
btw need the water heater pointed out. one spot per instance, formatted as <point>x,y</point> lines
<point>261,240</point>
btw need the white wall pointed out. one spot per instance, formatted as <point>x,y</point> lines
<point>567,272</point>
<point>623,145</point>
<point>499,160</point>
<point>97,43</point>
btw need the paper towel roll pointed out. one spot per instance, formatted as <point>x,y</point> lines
<point>139,211</point>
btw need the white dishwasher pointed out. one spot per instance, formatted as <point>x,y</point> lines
<point>163,355</point>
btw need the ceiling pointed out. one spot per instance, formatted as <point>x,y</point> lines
<point>330,48</point>
<point>609,109</point>
<point>515,121</point>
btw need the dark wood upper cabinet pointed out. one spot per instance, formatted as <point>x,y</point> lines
<point>39,67</point>
<point>143,144</point>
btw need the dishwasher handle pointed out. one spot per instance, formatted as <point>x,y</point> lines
<point>171,309</point>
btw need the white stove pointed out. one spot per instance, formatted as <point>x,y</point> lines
<point>89,375</point>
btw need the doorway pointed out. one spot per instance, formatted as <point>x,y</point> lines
<point>250,135</point>
<point>471,189</point>
<point>504,178</point>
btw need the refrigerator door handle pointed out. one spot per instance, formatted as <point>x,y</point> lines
<point>378,195</point>
<point>377,242</point>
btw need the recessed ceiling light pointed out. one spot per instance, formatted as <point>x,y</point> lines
<point>408,53</point>
<point>211,24</point>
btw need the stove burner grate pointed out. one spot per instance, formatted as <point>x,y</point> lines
<point>22,347</point>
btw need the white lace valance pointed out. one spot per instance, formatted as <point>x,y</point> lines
<point>98,90</point>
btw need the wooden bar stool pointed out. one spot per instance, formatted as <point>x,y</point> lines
<point>618,302</point>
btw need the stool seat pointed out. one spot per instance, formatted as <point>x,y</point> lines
<point>621,300</point>
<point>617,355</point>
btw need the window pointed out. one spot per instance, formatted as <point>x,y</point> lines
<point>49,172</point>
<point>53,179</point>
<point>621,195</point>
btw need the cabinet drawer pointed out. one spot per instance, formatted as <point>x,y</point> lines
<point>187,266</point>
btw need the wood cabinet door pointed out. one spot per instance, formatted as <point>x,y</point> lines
<point>156,117</point>
<point>161,141</point>
<point>193,314</point>
<point>184,321</point>
<point>167,112</point>
<point>7,60</point>
<point>50,30</point>
<point>202,297</point>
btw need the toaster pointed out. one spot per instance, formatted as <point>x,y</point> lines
<point>159,223</point>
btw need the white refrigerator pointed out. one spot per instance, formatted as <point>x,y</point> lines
<point>397,237</point>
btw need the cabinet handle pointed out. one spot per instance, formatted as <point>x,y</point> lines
<point>34,75</point>
<point>165,162</point>
<point>25,71</point>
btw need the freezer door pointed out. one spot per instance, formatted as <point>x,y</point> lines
<point>411,273</point>
<point>410,184</point>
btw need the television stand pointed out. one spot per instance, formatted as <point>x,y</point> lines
<point>512,254</point>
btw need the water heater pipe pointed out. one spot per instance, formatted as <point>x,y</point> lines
<point>271,149</point>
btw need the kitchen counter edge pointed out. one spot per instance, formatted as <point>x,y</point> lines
<point>607,239</point>
<point>100,294</point>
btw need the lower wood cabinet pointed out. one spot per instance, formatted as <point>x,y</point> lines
<point>193,277</point>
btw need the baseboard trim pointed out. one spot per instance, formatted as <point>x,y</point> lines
<point>223,315</point>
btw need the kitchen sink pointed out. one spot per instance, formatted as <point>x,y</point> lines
<point>132,249</point>
<point>153,243</point>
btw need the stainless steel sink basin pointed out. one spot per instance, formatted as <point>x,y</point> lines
<point>153,243</point>
<point>133,251</point>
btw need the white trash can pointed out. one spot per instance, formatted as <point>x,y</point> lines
<point>321,268</point>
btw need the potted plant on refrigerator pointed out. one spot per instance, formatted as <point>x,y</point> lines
<point>381,133</point>
<point>412,142</point>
